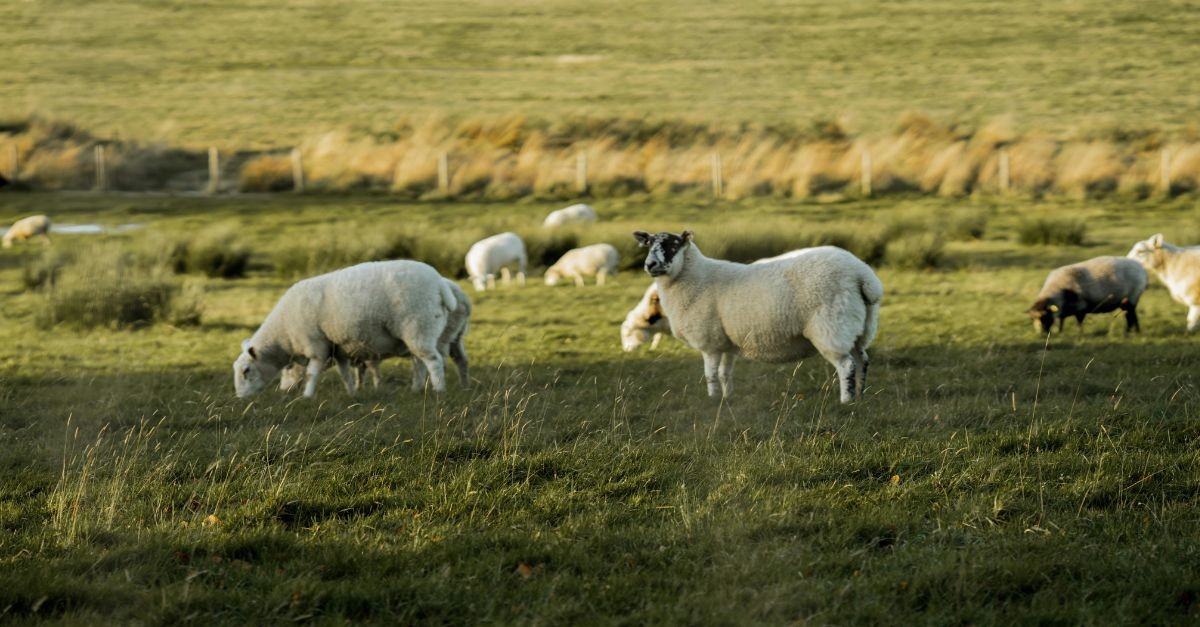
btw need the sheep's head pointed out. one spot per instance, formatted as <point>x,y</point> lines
<point>665,256</point>
<point>251,374</point>
<point>1147,251</point>
<point>552,277</point>
<point>1042,313</point>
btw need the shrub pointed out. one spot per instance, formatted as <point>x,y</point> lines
<point>545,247</point>
<point>966,225</point>
<point>216,253</point>
<point>1046,231</point>
<point>41,271</point>
<point>268,173</point>
<point>922,251</point>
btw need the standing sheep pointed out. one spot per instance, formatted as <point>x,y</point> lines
<point>26,228</point>
<point>450,342</point>
<point>575,214</point>
<point>1098,285</point>
<point>643,321</point>
<point>598,260</point>
<point>1176,266</point>
<point>498,253</point>
<point>825,300</point>
<point>370,311</point>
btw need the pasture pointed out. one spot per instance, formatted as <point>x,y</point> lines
<point>989,476</point>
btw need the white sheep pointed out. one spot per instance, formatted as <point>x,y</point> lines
<point>498,253</point>
<point>450,342</point>
<point>825,299</point>
<point>1176,266</point>
<point>370,311</point>
<point>575,214</point>
<point>598,260</point>
<point>1098,285</point>
<point>26,228</point>
<point>645,321</point>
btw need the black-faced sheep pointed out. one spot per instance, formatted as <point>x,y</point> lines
<point>1098,285</point>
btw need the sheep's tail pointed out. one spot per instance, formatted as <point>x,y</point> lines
<point>448,299</point>
<point>871,289</point>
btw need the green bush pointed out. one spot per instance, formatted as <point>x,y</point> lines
<point>918,251</point>
<point>42,271</point>
<point>1047,231</point>
<point>544,247</point>
<point>966,225</point>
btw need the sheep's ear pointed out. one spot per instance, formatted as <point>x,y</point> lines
<point>1053,308</point>
<point>688,236</point>
<point>1156,240</point>
<point>643,238</point>
<point>251,353</point>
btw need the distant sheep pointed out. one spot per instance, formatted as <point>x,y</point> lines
<point>1098,285</point>
<point>575,214</point>
<point>644,322</point>
<point>450,343</point>
<point>496,254</point>
<point>370,311</point>
<point>1176,266</point>
<point>825,300</point>
<point>25,228</point>
<point>598,260</point>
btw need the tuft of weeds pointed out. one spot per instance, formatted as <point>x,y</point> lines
<point>917,251</point>
<point>1052,231</point>
<point>41,271</point>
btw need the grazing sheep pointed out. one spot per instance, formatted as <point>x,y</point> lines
<point>643,321</point>
<point>1176,266</point>
<point>825,300</point>
<point>791,254</point>
<point>370,311</point>
<point>450,342</point>
<point>498,253</point>
<point>1098,285</point>
<point>598,260</point>
<point>26,228</point>
<point>575,214</point>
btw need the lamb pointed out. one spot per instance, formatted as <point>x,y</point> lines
<point>598,260</point>
<point>575,214</point>
<point>1098,285</point>
<point>26,228</point>
<point>498,253</point>
<point>370,311</point>
<point>825,300</point>
<point>450,342</point>
<point>643,321</point>
<point>1176,266</point>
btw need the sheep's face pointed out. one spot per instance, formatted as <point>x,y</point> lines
<point>665,254</point>
<point>1147,251</point>
<point>1042,314</point>
<point>250,374</point>
<point>552,277</point>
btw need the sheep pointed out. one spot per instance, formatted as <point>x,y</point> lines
<point>370,311</point>
<point>791,254</point>
<point>450,342</point>
<point>1098,285</point>
<point>498,253</point>
<point>599,260</point>
<point>643,321</point>
<point>26,228</point>
<point>1176,266</point>
<point>575,214</point>
<point>826,299</point>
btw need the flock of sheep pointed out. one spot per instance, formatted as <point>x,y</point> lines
<point>821,300</point>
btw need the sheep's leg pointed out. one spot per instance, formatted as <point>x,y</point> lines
<point>1079,318</point>
<point>373,367</point>
<point>601,277</point>
<point>434,364</point>
<point>846,368</point>
<point>505,276</point>
<point>521,278</point>
<point>1193,317</point>
<point>712,363</point>
<point>458,352</point>
<point>654,342</point>
<point>349,375</point>
<point>725,371</point>
<point>1060,324</point>
<point>491,281</point>
<point>418,375</point>
<point>1131,320</point>
<point>863,364</point>
<point>579,280</point>
<point>315,367</point>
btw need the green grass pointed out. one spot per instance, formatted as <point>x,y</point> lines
<point>988,477</point>
<point>269,74</point>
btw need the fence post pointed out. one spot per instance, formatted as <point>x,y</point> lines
<point>1002,170</point>
<point>581,183</point>
<point>14,165</point>
<point>101,175</point>
<point>718,187</point>
<point>443,172</point>
<point>297,170</point>
<point>214,170</point>
<point>866,173</point>
<point>1164,171</point>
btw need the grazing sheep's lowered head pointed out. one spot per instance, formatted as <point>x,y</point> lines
<point>251,374</point>
<point>667,251</point>
<point>1042,313</point>
<point>552,277</point>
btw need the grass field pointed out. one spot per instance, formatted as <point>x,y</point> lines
<point>989,476</point>
<point>260,74</point>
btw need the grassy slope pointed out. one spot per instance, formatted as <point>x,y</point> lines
<point>984,479</point>
<point>269,73</point>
